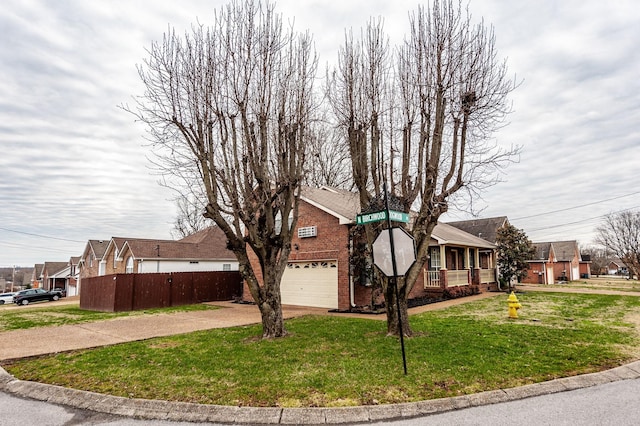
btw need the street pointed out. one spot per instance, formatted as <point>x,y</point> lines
<point>616,403</point>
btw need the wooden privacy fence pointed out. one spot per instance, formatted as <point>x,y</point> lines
<point>129,292</point>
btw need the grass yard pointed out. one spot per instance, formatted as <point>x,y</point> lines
<point>41,316</point>
<point>339,361</point>
<point>603,282</point>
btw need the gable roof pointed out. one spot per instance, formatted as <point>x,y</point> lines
<point>52,268</point>
<point>444,233</point>
<point>483,228</point>
<point>345,205</point>
<point>208,244</point>
<point>97,247</point>
<point>563,251</point>
<point>37,270</point>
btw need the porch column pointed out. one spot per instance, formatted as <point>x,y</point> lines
<point>467,258</point>
<point>443,267</point>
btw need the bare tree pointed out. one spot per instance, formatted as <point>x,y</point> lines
<point>328,158</point>
<point>620,235</point>
<point>429,119</point>
<point>228,109</point>
<point>599,258</point>
<point>189,218</point>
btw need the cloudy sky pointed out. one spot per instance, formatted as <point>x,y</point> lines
<point>73,166</point>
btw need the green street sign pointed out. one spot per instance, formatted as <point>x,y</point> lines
<point>398,216</point>
<point>395,216</point>
<point>362,219</point>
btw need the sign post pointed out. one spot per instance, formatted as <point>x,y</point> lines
<point>394,252</point>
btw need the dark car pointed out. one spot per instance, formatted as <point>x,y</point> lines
<point>62,291</point>
<point>25,297</point>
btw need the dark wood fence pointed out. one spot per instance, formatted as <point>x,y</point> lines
<point>129,292</point>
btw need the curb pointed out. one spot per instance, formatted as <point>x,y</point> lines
<point>184,411</point>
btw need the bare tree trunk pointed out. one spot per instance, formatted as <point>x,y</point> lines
<point>393,324</point>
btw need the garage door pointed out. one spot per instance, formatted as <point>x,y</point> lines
<point>311,284</point>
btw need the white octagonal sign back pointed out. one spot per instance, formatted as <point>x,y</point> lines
<point>404,247</point>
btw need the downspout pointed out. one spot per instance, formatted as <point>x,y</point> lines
<point>352,303</point>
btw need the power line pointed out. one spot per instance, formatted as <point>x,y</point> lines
<point>40,236</point>
<point>577,207</point>
<point>581,221</point>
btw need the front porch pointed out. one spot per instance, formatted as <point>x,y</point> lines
<point>462,266</point>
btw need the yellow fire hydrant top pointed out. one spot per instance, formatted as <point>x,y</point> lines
<point>514,305</point>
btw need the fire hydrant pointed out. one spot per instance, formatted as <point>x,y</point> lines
<point>514,305</point>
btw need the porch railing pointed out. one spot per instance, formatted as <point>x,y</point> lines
<point>431,279</point>
<point>487,275</point>
<point>457,278</point>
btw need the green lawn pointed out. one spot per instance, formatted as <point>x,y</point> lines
<point>49,315</point>
<point>339,361</point>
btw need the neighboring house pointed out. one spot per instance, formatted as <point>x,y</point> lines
<point>54,275</point>
<point>585,265</point>
<point>319,274</point>
<point>203,251</point>
<point>554,262</point>
<point>487,229</point>
<point>617,267</point>
<point>111,262</point>
<point>90,261</point>
<point>36,277</point>
<point>72,278</point>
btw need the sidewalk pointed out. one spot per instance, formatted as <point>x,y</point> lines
<point>39,341</point>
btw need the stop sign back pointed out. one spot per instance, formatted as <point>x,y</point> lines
<point>404,251</point>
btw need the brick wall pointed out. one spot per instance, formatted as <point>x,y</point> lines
<point>331,243</point>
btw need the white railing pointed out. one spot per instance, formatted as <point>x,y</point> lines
<point>457,278</point>
<point>431,279</point>
<point>487,275</point>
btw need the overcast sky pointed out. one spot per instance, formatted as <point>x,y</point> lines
<point>74,167</point>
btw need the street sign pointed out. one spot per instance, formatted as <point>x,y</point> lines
<point>404,251</point>
<point>398,216</point>
<point>395,216</point>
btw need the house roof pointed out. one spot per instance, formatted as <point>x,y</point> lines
<point>98,247</point>
<point>564,251</point>
<point>209,244</point>
<point>483,228</point>
<point>444,233</point>
<point>345,205</point>
<point>37,270</point>
<point>52,268</point>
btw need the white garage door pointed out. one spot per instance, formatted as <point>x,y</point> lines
<point>311,284</point>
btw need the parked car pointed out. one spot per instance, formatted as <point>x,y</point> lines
<point>6,298</point>
<point>62,291</point>
<point>25,297</point>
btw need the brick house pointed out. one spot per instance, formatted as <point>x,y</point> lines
<point>554,262</point>
<point>91,258</point>
<point>36,276</point>
<point>319,272</point>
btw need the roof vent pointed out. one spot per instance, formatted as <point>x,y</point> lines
<point>307,232</point>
